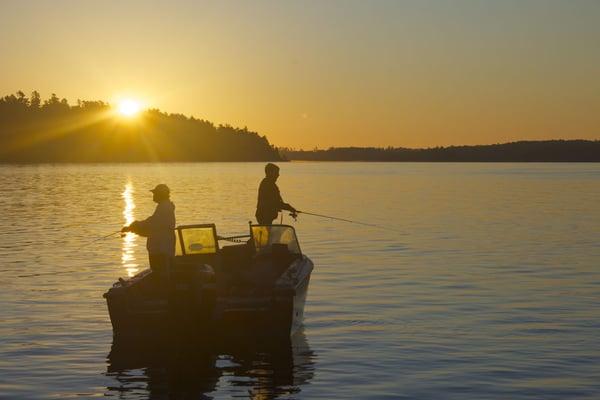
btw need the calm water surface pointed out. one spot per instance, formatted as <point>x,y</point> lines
<point>490,290</point>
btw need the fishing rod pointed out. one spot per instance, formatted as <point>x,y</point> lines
<point>105,237</point>
<point>346,220</point>
<point>70,272</point>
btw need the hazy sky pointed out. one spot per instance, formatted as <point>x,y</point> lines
<point>323,73</point>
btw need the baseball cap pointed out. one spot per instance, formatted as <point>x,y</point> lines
<point>161,188</point>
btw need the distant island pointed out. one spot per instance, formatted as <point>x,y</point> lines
<point>523,151</point>
<point>53,131</point>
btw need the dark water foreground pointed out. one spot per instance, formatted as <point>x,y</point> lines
<point>490,290</point>
<point>186,367</point>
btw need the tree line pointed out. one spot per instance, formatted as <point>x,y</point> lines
<point>35,130</point>
<point>522,151</point>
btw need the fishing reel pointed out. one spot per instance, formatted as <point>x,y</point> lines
<point>294,215</point>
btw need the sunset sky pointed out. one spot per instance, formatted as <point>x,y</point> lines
<point>323,73</point>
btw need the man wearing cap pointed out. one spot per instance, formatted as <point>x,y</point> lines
<point>159,228</point>
<point>269,198</point>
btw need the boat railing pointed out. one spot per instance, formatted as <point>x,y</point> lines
<point>202,239</point>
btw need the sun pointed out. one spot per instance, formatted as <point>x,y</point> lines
<point>129,107</point>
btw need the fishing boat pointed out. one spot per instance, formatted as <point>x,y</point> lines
<point>258,285</point>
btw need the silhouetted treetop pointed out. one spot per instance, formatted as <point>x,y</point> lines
<point>52,130</point>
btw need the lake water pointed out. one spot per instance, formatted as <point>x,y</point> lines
<point>490,288</point>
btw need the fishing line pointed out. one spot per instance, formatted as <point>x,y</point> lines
<point>47,273</point>
<point>349,221</point>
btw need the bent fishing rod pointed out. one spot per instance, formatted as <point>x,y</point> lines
<point>79,248</point>
<point>105,237</point>
<point>347,220</point>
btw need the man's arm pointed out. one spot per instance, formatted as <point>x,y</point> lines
<point>138,227</point>
<point>288,207</point>
<point>161,219</point>
<point>283,205</point>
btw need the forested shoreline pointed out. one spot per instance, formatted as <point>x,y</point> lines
<point>33,130</point>
<point>36,131</point>
<point>522,151</point>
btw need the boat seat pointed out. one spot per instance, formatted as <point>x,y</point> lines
<point>236,257</point>
<point>242,271</point>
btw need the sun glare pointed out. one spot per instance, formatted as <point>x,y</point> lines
<point>129,107</point>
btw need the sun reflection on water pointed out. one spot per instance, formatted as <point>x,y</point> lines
<point>129,240</point>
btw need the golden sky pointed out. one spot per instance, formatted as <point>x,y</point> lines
<point>323,73</point>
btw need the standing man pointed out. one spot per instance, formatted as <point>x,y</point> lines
<point>269,198</point>
<point>159,228</point>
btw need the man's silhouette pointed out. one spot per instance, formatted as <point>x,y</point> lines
<point>269,198</point>
<point>159,228</point>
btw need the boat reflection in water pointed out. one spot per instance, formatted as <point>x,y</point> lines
<point>178,368</point>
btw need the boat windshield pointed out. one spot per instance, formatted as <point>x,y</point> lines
<point>196,239</point>
<point>265,236</point>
